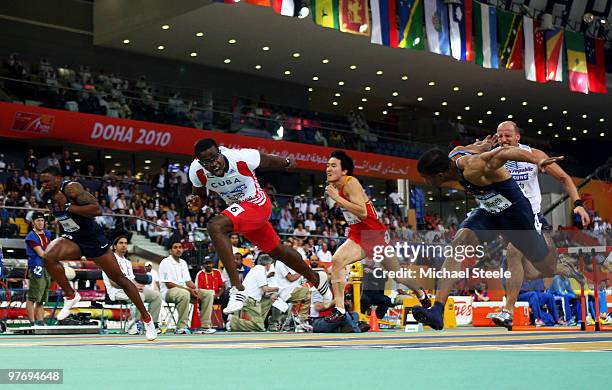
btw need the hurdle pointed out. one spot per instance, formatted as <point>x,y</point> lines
<point>583,252</point>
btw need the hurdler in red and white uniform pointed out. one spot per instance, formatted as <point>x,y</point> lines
<point>231,174</point>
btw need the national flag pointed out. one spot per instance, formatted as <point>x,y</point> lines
<point>485,30</point>
<point>354,17</point>
<point>510,35</point>
<point>436,25</point>
<point>554,54</point>
<point>576,62</point>
<point>261,3</point>
<point>227,1</point>
<point>411,24</point>
<point>325,13</point>
<point>596,64</point>
<point>284,7</point>
<point>535,51</point>
<point>384,22</point>
<point>460,20</point>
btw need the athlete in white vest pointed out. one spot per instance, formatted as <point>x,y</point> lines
<point>526,176</point>
<point>231,174</point>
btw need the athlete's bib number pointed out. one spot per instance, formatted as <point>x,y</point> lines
<point>494,204</point>
<point>68,224</point>
<point>235,209</point>
<point>350,218</point>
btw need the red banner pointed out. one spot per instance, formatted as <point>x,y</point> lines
<point>31,122</point>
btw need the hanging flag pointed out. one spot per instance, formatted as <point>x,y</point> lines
<point>510,28</point>
<point>576,62</point>
<point>596,64</point>
<point>261,3</point>
<point>354,17</point>
<point>384,22</point>
<point>460,20</point>
<point>436,25</point>
<point>284,7</point>
<point>535,51</point>
<point>227,1</point>
<point>325,13</point>
<point>554,54</point>
<point>411,24</point>
<point>485,30</point>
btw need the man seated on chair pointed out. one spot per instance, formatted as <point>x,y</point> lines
<point>258,301</point>
<point>290,291</point>
<point>176,287</point>
<point>115,293</point>
<point>532,291</point>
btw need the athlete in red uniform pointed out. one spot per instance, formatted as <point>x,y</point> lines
<point>366,231</point>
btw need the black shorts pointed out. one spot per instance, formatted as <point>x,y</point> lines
<point>92,245</point>
<point>517,224</point>
<point>545,226</point>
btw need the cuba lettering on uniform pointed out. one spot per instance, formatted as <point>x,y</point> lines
<point>83,231</point>
<point>504,210</point>
<point>367,233</point>
<point>249,206</point>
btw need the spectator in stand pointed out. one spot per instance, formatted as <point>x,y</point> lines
<point>396,202</point>
<point>561,287</point>
<point>324,255</point>
<point>30,162</point>
<point>162,230</point>
<point>13,183</point>
<point>52,161</point>
<point>161,180</point>
<point>481,293</point>
<point>66,165</point>
<point>2,163</point>
<point>25,179</point>
<point>310,223</point>
<point>177,287</point>
<point>300,232</point>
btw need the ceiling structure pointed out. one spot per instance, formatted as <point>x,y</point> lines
<point>343,72</point>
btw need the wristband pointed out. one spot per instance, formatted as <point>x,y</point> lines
<point>578,203</point>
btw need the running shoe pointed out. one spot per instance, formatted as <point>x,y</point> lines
<point>68,304</point>
<point>433,317</point>
<point>236,301</point>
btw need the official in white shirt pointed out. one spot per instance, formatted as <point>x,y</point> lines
<point>290,291</point>
<point>152,297</point>
<point>176,287</point>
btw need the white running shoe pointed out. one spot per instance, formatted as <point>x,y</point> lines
<point>68,304</point>
<point>324,287</point>
<point>150,331</point>
<point>236,301</point>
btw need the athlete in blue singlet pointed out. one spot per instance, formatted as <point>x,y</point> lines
<point>75,210</point>
<point>503,210</point>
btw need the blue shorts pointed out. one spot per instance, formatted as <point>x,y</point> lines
<point>92,243</point>
<point>517,224</point>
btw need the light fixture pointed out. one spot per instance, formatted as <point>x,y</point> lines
<point>147,167</point>
<point>325,61</point>
<point>108,157</point>
<point>584,116</point>
<point>467,108</point>
<point>455,88</point>
<point>556,135</point>
<point>539,131</point>
<point>480,121</point>
<point>437,113</point>
<point>573,138</point>
<point>165,27</point>
<point>602,134</point>
<point>459,117</point>
<point>602,120</point>
<point>126,41</point>
<point>199,34</point>
<point>77,160</point>
<point>431,83</point>
<point>258,67</point>
<point>287,72</point>
<point>379,72</point>
<point>489,112</point>
<point>445,103</point>
<point>503,98</point>
<point>480,93</point>
<point>296,55</point>
<point>161,47</point>
<point>335,103</point>
<point>364,99</point>
<point>397,93</point>
<point>193,54</point>
<point>585,131</point>
<point>530,120</point>
<point>303,12</point>
<point>420,99</point>
<point>340,83</point>
<point>337,94</point>
<point>568,127</point>
<point>353,67</point>
<point>404,77</point>
<point>227,61</point>
<point>147,161</point>
<point>550,124</point>
<point>360,108</point>
<point>231,41</point>
<point>524,103</point>
<point>385,112</point>
<point>389,104</point>
<point>310,89</point>
<point>510,116</point>
<point>544,108</point>
<point>265,48</point>
<point>117,164</point>
<point>367,88</point>
<point>315,78</point>
<point>564,112</point>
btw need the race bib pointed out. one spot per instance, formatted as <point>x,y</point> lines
<point>235,209</point>
<point>494,203</point>
<point>37,271</point>
<point>350,218</point>
<point>68,224</point>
